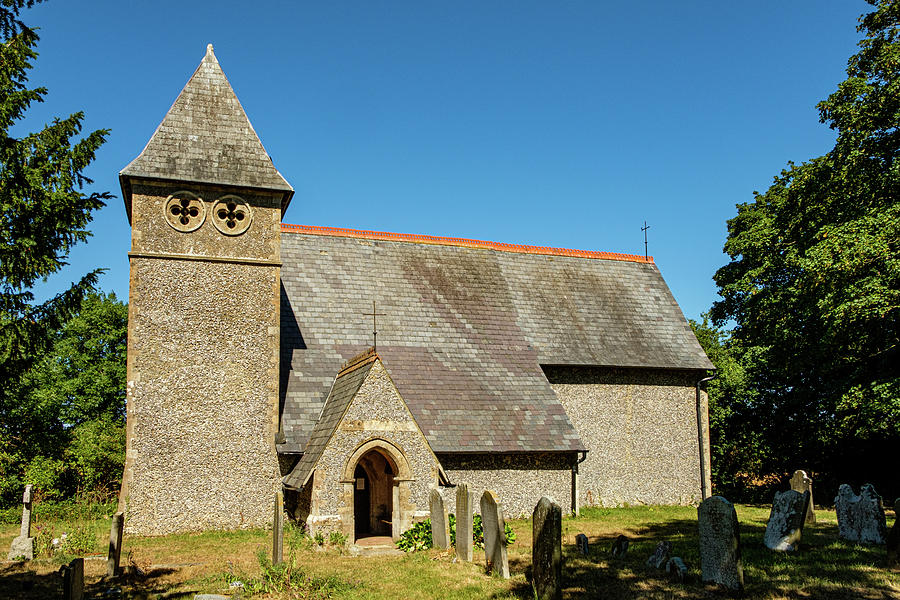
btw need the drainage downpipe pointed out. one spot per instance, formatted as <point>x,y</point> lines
<point>705,473</point>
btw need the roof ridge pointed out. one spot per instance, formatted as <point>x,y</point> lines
<point>361,359</point>
<point>462,242</point>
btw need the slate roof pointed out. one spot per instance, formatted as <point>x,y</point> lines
<point>206,137</point>
<point>466,327</point>
<point>346,384</point>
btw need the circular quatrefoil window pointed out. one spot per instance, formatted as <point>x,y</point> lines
<point>231,215</point>
<point>185,211</point>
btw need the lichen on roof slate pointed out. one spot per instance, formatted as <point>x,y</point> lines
<point>206,137</point>
<point>465,333</point>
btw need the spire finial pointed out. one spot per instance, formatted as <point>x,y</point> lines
<point>209,49</point>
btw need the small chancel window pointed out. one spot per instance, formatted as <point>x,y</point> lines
<point>185,211</point>
<point>231,215</point>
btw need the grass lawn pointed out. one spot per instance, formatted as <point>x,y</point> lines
<point>180,566</point>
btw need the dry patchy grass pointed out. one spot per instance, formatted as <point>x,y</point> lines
<point>180,566</point>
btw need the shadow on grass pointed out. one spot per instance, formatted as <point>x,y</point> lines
<point>825,567</point>
<point>23,581</point>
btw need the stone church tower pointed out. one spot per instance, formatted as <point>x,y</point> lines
<point>205,204</point>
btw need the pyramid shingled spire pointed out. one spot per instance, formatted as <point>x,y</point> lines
<point>206,137</point>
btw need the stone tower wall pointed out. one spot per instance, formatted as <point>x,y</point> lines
<point>203,345</point>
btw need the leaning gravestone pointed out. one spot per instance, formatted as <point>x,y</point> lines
<point>720,543</point>
<point>440,528</point>
<point>494,526</point>
<point>73,580</point>
<point>660,556</point>
<point>801,482</point>
<point>676,569</point>
<point>860,518</point>
<point>581,543</point>
<point>785,527</point>
<point>620,546</point>
<point>115,545</point>
<point>893,539</point>
<point>465,506</point>
<point>546,550</point>
<point>23,545</point>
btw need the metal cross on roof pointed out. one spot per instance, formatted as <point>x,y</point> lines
<point>644,229</point>
<point>374,315</point>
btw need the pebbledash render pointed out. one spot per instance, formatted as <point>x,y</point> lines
<point>524,370</point>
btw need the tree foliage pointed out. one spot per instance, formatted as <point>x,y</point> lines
<point>43,213</point>
<point>813,286</point>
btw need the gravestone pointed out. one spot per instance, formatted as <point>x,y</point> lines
<point>620,546</point>
<point>801,482</point>
<point>440,528</point>
<point>23,545</point>
<point>73,580</point>
<point>860,518</point>
<point>278,529</point>
<point>660,556</point>
<point>893,539</point>
<point>115,545</point>
<point>720,543</point>
<point>581,544</point>
<point>465,507</point>
<point>494,526</point>
<point>785,527</point>
<point>676,569</point>
<point>546,550</point>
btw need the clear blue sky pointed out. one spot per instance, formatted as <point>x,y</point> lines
<point>549,123</point>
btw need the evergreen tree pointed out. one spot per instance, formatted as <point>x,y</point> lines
<point>43,213</point>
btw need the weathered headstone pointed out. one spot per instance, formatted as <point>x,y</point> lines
<point>278,529</point>
<point>465,507</point>
<point>660,556</point>
<point>494,526</point>
<point>860,518</point>
<point>785,527</point>
<point>23,545</point>
<point>801,482</point>
<point>546,549</point>
<point>893,539</point>
<point>440,528</point>
<point>115,545</point>
<point>620,546</point>
<point>73,580</point>
<point>581,544</point>
<point>676,569</point>
<point>720,543</point>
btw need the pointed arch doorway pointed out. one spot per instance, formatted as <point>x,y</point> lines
<point>376,478</point>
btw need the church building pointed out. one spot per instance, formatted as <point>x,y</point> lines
<point>357,370</point>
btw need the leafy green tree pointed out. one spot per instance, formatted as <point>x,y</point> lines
<point>813,286</point>
<point>43,213</point>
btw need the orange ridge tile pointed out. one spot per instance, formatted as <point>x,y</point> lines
<point>453,241</point>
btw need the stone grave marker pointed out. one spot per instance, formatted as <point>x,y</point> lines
<point>893,539</point>
<point>785,527</point>
<point>440,528</point>
<point>801,482</point>
<point>660,556</point>
<point>860,518</point>
<point>676,569</point>
<point>465,507</point>
<point>73,580</point>
<point>581,544</point>
<point>546,550</point>
<point>494,526</point>
<point>23,545</point>
<point>720,543</point>
<point>115,545</point>
<point>278,529</point>
<point>620,546</point>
